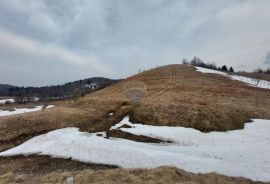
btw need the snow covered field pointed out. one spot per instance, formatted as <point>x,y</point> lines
<point>4,101</point>
<point>250,81</point>
<point>234,153</point>
<point>23,110</point>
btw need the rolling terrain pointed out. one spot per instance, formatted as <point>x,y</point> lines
<point>176,95</point>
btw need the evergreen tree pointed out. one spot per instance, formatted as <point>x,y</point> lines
<point>224,68</point>
<point>231,70</point>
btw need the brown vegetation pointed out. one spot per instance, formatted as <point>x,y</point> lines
<point>44,165</point>
<point>176,95</point>
<point>161,175</point>
<point>206,102</point>
<point>129,136</point>
<point>19,128</point>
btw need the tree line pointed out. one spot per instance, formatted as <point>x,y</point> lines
<point>55,92</point>
<point>259,70</point>
<point>200,63</point>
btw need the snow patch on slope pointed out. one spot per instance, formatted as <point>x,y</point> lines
<point>4,101</point>
<point>250,81</point>
<point>23,110</point>
<point>235,153</point>
<point>124,121</point>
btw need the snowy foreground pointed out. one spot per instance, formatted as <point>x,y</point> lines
<point>234,153</point>
<point>4,101</point>
<point>250,81</point>
<point>23,110</point>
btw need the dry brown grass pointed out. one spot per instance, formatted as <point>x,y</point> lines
<point>44,165</point>
<point>17,129</point>
<point>161,175</point>
<point>138,138</point>
<point>176,95</point>
<point>11,106</point>
<point>206,102</point>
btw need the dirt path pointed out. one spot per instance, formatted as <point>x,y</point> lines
<point>166,88</point>
<point>173,75</point>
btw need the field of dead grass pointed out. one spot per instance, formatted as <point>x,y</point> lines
<point>207,102</point>
<point>161,175</point>
<point>176,95</point>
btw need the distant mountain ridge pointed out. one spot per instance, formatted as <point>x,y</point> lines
<point>4,88</point>
<point>67,90</point>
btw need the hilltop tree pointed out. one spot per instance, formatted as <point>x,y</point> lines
<point>258,70</point>
<point>231,70</point>
<point>198,62</point>
<point>184,61</point>
<point>224,68</point>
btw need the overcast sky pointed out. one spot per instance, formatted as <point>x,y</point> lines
<point>45,42</point>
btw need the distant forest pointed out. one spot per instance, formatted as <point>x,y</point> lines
<point>198,62</point>
<point>259,70</point>
<point>68,90</point>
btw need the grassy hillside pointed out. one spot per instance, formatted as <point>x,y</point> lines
<point>99,175</point>
<point>177,95</point>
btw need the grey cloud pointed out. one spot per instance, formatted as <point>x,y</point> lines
<point>267,58</point>
<point>32,63</point>
<point>117,38</point>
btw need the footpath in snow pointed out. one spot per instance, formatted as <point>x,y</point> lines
<point>250,81</point>
<point>234,153</point>
<point>23,110</point>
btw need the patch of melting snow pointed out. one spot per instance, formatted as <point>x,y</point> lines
<point>250,81</point>
<point>125,121</point>
<point>4,101</point>
<point>23,110</point>
<point>234,153</point>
